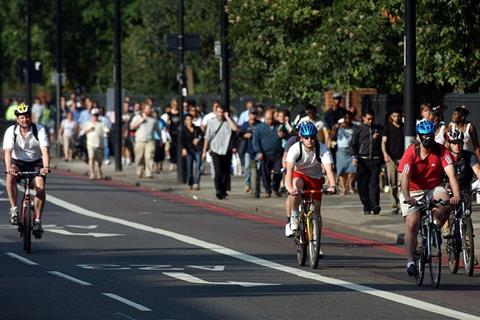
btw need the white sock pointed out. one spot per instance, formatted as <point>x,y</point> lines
<point>294,214</point>
<point>410,263</point>
<point>38,220</point>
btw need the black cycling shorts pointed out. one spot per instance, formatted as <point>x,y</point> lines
<point>29,165</point>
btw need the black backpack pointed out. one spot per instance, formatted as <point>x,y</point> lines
<point>34,131</point>
<point>317,151</point>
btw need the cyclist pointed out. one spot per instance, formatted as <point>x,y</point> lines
<point>421,173</point>
<point>304,163</point>
<point>465,162</point>
<point>26,149</point>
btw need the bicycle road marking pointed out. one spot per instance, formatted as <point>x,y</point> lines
<point>394,297</point>
<point>126,301</point>
<point>22,259</point>
<point>70,278</point>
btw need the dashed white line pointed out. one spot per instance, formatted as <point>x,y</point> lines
<point>70,278</point>
<point>126,301</point>
<point>20,258</point>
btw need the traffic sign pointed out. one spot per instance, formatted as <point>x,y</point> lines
<point>191,41</point>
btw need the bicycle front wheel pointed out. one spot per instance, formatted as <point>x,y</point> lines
<point>453,248</point>
<point>301,240</point>
<point>468,245</point>
<point>27,225</point>
<point>314,228</point>
<point>420,256</point>
<point>435,256</point>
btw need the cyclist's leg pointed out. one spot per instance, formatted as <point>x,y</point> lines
<point>12,190</point>
<point>39,201</point>
<point>412,217</point>
<point>441,213</point>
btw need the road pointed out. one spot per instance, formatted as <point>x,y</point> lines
<point>115,252</point>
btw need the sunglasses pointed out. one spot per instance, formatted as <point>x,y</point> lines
<point>309,138</point>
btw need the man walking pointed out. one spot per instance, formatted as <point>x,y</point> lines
<point>367,156</point>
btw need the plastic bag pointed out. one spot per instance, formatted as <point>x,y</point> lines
<point>236,165</point>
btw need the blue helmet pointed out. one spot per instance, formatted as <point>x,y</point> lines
<point>425,127</point>
<point>307,129</point>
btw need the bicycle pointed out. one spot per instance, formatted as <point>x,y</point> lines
<point>27,216</point>
<point>428,242</point>
<point>460,237</point>
<point>309,232</point>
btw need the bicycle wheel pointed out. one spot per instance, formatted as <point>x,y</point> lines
<point>301,241</point>
<point>435,258</point>
<point>468,245</point>
<point>420,257</point>
<point>314,238</point>
<point>453,248</point>
<point>27,227</point>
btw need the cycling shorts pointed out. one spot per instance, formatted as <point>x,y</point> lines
<point>417,195</point>
<point>29,165</point>
<point>311,184</point>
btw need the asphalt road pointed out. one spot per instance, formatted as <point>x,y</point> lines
<point>114,252</point>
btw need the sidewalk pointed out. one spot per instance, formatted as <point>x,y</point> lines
<point>340,213</point>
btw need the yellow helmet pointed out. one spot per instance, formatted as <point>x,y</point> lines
<point>22,109</point>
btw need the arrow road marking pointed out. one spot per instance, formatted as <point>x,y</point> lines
<point>89,234</point>
<point>208,268</point>
<point>192,279</point>
<point>88,227</point>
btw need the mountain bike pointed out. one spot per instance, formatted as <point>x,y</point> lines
<point>27,215</point>
<point>429,242</point>
<point>309,232</point>
<point>460,237</point>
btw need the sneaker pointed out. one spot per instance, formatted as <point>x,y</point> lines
<point>320,254</point>
<point>412,270</point>
<point>37,229</point>
<point>288,231</point>
<point>293,223</point>
<point>14,215</point>
<point>246,189</point>
<point>376,210</point>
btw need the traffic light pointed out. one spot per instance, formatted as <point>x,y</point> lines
<point>36,71</point>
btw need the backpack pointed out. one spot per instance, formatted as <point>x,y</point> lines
<point>436,150</point>
<point>317,151</point>
<point>34,131</point>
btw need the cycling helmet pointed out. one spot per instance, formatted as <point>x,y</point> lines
<point>22,109</point>
<point>307,129</point>
<point>454,136</point>
<point>425,127</point>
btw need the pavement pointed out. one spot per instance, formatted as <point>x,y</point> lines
<point>342,214</point>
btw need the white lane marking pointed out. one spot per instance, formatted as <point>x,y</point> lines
<point>269,264</point>
<point>209,268</point>
<point>22,259</point>
<point>70,278</point>
<point>88,227</point>
<point>192,279</point>
<point>125,316</point>
<point>126,301</point>
<point>88,234</point>
<point>3,199</point>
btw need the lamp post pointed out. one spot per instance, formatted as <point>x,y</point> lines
<point>224,57</point>
<point>118,88</point>
<point>410,63</point>
<point>58,89</point>
<point>181,177</point>
<point>28,69</point>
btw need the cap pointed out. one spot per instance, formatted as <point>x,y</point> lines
<point>95,111</point>
<point>337,95</point>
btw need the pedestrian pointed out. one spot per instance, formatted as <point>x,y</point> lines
<point>192,146</point>
<point>67,133</point>
<point>267,145</point>
<point>367,157</point>
<point>335,112</point>
<point>160,140</point>
<point>393,146</point>
<point>107,123</point>
<point>94,131</point>
<point>244,116</point>
<point>144,125</point>
<point>127,146</point>
<point>219,141</point>
<point>460,122</point>
<point>342,133</point>
<point>173,122</point>
<point>247,131</point>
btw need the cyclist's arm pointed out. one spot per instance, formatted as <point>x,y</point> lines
<point>8,159</point>
<point>452,178</point>
<point>289,177</point>
<point>45,157</point>
<point>404,182</point>
<point>330,175</point>
<point>476,170</point>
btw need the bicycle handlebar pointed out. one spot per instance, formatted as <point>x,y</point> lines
<point>422,204</point>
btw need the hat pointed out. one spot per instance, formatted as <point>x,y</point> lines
<point>337,95</point>
<point>253,111</point>
<point>95,112</point>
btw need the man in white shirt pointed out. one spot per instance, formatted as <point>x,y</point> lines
<point>26,149</point>
<point>95,131</point>
<point>305,163</point>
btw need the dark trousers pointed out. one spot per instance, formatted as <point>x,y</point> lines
<point>222,164</point>
<point>368,178</point>
<point>194,163</point>
<point>271,163</point>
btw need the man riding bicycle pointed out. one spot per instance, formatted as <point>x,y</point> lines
<point>465,162</point>
<point>304,163</point>
<point>26,149</point>
<point>421,169</point>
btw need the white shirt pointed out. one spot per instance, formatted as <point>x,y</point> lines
<point>308,164</point>
<point>95,137</point>
<point>68,127</point>
<point>27,149</point>
<point>207,118</point>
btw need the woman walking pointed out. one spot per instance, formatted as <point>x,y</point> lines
<point>192,146</point>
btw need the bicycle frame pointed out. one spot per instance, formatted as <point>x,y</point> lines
<point>25,224</point>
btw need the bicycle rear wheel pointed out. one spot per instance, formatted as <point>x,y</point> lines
<point>27,227</point>
<point>420,257</point>
<point>314,238</point>
<point>435,265</point>
<point>453,247</point>
<point>468,245</point>
<point>301,240</point>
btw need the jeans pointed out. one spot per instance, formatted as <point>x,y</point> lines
<point>106,149</point>
<point>246,168</point>
<point>194,163</point>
